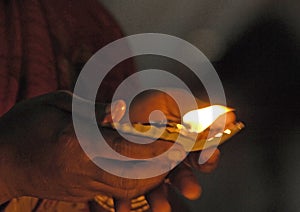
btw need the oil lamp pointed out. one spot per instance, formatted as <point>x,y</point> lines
<point>193,123</point>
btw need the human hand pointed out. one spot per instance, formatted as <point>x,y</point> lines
<point>182,177</point>
<point>43,158</point>
<point>36,173</point>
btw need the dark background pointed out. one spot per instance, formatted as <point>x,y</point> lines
<point>260,167</point>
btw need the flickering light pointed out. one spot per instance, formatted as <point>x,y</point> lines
<point>200,119</point>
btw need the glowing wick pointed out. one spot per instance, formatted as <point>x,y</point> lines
<point>199,120</point>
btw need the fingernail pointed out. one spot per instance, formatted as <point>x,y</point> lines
<point>117,110</point>
<point>205,155</point>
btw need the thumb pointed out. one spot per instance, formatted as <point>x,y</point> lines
<point>69,102</point>
<point>114,112</point>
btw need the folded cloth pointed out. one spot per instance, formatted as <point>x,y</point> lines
<point>45,43</point>
<point>43,46</point>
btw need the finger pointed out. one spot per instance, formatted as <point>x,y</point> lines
<point>145,103</point>
<point>137,147</point>
<point>105,113</point>
<point>212,161</point>
<point>210,156</point>
<point>186,182</point>
<point>175,200</point>
<point>157,199</point>
<point>65,100</point>
<point>122,205</point>
<point>114,112</point>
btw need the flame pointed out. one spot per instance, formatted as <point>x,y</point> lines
<point>199,120</point>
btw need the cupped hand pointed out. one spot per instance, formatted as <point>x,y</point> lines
<point>182,178</point>
<point>44,158</point>
<point>47,161</point>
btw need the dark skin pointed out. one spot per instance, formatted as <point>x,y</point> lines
<point>41,156</point>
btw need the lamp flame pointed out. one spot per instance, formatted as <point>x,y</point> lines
<point>200,119</point>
